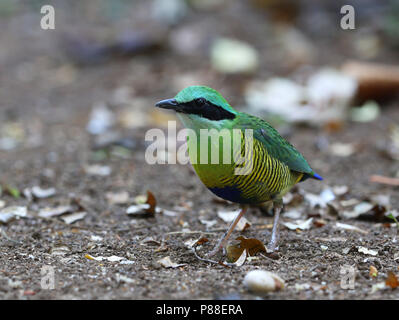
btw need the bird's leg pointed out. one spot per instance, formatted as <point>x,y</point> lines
<point>226,236</point>
<point>273,244</point>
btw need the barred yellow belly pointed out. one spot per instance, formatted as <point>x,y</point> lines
<point>267,178</point>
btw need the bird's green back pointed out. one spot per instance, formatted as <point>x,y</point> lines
<point>276,146</point>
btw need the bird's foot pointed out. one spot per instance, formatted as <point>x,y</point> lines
<point>272,247</point>
<point>272,251</point>
<point>224,264</point>
<point>203,259</point>
<point>223,240</point>
<point>213,252</point>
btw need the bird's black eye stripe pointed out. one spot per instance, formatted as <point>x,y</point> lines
<point>206,109</point>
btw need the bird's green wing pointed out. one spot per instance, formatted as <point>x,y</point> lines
<point>276,146</point>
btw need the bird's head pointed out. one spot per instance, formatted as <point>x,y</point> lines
<point>200,102</point>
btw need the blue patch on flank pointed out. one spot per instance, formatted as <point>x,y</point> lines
<point>229,193</point>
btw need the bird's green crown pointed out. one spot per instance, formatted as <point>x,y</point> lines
<point>200,102</point>
<point>193,93</point>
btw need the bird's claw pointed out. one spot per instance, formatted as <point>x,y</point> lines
<point>272,251</point>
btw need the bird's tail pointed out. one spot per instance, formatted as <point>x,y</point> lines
<point>312,175</point>
<point>316,176</point>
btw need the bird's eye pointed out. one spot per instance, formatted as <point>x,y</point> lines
<point>201,101</point>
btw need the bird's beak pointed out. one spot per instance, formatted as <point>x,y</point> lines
<point>167,104</point>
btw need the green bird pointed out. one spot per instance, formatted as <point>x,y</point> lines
<point>275,165</point>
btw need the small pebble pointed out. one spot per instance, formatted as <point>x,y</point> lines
<point>261,281</point>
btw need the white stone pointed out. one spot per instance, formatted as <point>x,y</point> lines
<point>261,281</point>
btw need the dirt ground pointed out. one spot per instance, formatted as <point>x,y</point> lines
<point>49,99</point>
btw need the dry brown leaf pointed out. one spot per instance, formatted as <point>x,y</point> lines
<point>264,226</point>
<point>166,262</point>
<point>52,212</point>
<point>373,271</point>
<point>349,227</point>
<point>340,190</point>
<point>162,248</point>
<point>375,80</point>
<point>73,217</point>
<point>299,224</point>
<point>392,280</point>
<point>320,223</point>
<point>241,260</point>
<point>150,241</point>
<point>251,245</point>
<point>367,251</point>
<point>152,202</point>
<point>87,256</point>
<point>233,253</point>
<point>117,197</point>
<point>228,216</point>
<point>201,241</point>
<point>147,209</point>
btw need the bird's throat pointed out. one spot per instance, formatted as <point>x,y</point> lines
<point>197,123</point>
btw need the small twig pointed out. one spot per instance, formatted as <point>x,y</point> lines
<point>227,264</point>
<point>4,234</point>
<point>212,231</point>
<point>223,264</point>
<point>202,259</point>
<point>263,226</point>
<point>270,257</point>
<point>384,180</point>
<point>191,232</point>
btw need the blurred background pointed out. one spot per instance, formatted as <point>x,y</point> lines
<point>76,102</point>
<point>92,81</point>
